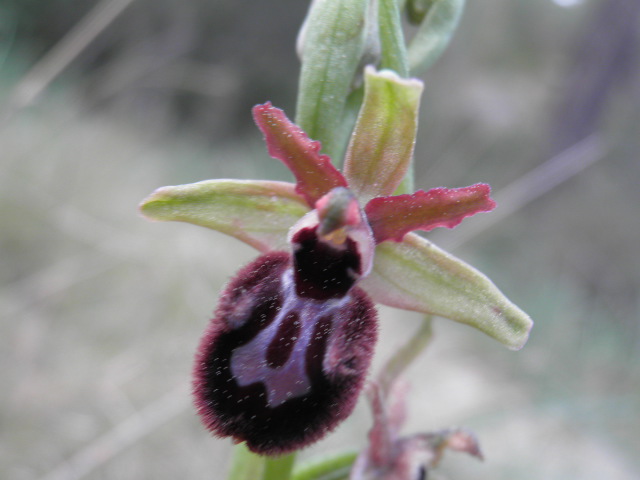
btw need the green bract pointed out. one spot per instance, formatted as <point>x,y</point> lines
<point>334,41</point>
<point>381,147</point>
<point>257,212</point>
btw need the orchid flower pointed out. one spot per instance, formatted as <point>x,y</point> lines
<point>286,355</point>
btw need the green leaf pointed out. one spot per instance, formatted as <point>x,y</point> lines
<point>333,41</point>
<point>328,467</point>
<point>417,275</point>
<point>381,147</point>
<point>440,20</point>
<point>259,213</point>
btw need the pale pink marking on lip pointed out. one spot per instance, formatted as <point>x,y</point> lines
<point>249,362</point>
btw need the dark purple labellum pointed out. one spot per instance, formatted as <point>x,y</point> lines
<point>323,271</point>
<point>279,370</point>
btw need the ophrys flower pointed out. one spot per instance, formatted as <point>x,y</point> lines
<point>286,355</point>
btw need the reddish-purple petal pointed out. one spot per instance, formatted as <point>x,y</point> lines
<point>280,371</point>
<point>315,174</point>
<point>332,247</point>
<point>391,218</point>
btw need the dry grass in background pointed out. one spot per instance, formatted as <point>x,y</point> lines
<point>101,311</point>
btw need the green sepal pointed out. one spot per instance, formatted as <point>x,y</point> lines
<point>416,275</point>
<point>381,147</point>
<point>257,212</point>
<point>335,40</point>
<point>440,18</point>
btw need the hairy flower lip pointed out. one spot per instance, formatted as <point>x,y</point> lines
<point>324,368</point>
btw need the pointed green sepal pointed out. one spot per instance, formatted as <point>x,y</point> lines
<point>416,275</point>
<point>259,213</point>
<point>440,19</point>
<point>381,147</point>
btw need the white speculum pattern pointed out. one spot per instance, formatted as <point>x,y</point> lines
<point>249,362</point>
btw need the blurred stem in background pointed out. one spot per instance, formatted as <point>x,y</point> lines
<point>60,56</point>
<point>604,57</point>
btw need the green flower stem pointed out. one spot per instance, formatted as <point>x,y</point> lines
<point>330,467</point>
<point>394,57</point>
<point>351,110</point>
<point>393,48</point>
<point>331,46</point>
<point>405,355</point>
<point>279,468</point>
<point>247,465</point>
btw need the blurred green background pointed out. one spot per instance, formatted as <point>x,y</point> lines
<point>101,311</point>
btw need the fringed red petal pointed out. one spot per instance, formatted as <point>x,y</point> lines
<point>391,218</point>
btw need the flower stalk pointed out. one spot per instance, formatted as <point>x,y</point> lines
<point>248,465</point>
<point>406,354</point>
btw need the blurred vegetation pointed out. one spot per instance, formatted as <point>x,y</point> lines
<point>101,311</point>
